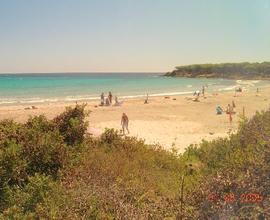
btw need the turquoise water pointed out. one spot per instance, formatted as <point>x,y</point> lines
<point>35,88</point>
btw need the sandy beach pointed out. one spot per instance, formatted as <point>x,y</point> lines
<point>173,121</point>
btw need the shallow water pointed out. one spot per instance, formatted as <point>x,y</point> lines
<point>35,88</point>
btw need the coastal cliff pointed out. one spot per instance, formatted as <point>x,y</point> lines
<point>224,70</point>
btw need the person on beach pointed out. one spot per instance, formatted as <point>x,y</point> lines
<point>196,93</point>
<point>146,100</point>
<point>219,110</point>
<point>124,123</point>
<point>110,97</point>
<point>117,103</point>
<point>257,91</point>
<point>203,90</point>
<point>107,102</point>
<point>239,89</point>
<point>230,117</point>
<point>233,107</point>
<point>102,100</point>
<point>229,109</point>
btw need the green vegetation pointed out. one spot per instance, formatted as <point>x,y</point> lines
<point>224,70</point>
<point>52,169</point>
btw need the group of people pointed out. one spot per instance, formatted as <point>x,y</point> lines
<point>108,100</point>
<point>237,90</point>
<point>230,110</point>
<point>197,94</point>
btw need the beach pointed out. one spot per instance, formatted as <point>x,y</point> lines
<point>171,121</point>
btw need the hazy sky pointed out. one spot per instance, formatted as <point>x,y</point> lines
<point>130,35</point>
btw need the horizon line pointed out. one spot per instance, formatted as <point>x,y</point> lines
<point>83,72</point>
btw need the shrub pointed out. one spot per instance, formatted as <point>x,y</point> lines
<point>43,147</point>
<point>10,131</point>
<point>72,124</point>
<point>30,201</point>
<point>236,166</point>
<point>12,166</point>
<point>121,177</point>
<point>110,137</point>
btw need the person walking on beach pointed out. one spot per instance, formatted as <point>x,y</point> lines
<point>233,107</point>
<point>102,100</point>
<point>110,97</point>
<point>203,90</point>
<point>230,117</point>
<point>124,123</point>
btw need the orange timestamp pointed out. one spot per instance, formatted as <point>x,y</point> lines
<point>231,197</point>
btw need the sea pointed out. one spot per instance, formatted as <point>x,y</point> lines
<point>55,87</point>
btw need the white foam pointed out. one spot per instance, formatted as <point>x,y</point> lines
<point>247,82</point>
<point>228,88</point>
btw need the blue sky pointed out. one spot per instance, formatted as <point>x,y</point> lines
<point>130,35</point>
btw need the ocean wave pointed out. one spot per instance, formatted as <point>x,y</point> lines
<point>228,88</point>
<point>247,82</point>
<point>79,98</point>
<point>8,102</point>
<point>82,98</point>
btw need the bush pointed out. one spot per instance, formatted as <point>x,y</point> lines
<point>110,137</point>
<point>12,166</point>
<point>236,166</point>
<point>36,147</point>
<point>30,201</point>
<point>121,177</point>
<point>10,131</point>
<point>72,125</point>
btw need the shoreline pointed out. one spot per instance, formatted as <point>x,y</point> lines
<point>175,121</point>
<point>69,100</point>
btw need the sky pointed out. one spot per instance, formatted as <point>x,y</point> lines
<point>130,35</point>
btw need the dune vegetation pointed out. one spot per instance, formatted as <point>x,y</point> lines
<point>54,169</point>
<point>243,70</point>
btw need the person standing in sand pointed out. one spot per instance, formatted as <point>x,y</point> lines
<point>146,100</point>
<point>124,123</point>
<point>257,91</point>
<point>102,100</point>
<point>203,90</point>
<point>233,107</point>
<point>229,112</point>
<point>110,97</point>
<point>228,109</point>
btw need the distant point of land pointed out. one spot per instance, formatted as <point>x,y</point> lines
<point>243,70</point>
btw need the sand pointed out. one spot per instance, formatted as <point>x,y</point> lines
<point>171,123</point>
